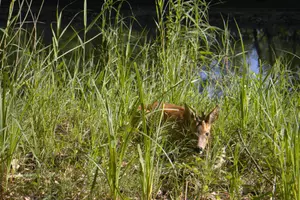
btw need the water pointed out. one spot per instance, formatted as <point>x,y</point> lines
<point>263,42</point>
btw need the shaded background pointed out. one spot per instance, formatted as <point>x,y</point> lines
<point>266,25</point>
<point>249,12</point>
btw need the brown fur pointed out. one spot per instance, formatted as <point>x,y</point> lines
<point>185,117</point>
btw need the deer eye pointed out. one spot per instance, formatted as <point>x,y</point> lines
<point>207,134</point>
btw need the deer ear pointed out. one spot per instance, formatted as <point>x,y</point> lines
<point>213,115</point>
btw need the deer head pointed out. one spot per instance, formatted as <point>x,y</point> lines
<point>201,125</point>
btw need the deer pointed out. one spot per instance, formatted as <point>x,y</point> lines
<point>186,118</point>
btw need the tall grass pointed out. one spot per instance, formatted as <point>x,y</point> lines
<point>70,126</point>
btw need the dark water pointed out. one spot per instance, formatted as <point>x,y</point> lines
<point>267,33</point>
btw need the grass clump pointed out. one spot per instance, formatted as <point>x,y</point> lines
<point>67,109</point>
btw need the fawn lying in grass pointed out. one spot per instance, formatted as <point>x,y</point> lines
<point>188,120</point>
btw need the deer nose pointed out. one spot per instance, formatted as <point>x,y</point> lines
<point>200,150</point>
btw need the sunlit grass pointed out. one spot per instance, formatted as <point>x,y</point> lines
<point>70,127</point>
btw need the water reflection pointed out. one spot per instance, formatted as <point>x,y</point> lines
<point>208,79</point>
<point>263,51</point>
<point>253,61</point>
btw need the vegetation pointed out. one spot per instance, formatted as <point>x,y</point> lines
<point>68,125</point>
